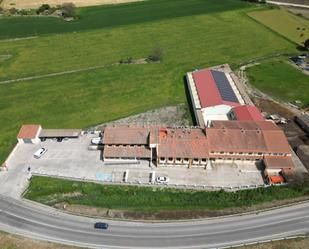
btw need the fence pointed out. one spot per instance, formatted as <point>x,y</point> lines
<point>110,181</point>
<point>262,241</point>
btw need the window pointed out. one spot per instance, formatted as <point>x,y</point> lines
<point>221,152</point>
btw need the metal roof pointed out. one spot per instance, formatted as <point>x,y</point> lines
<point>224,86</point>
<point>214,88</point>
<point>51,133</point>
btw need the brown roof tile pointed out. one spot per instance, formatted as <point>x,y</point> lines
<point>182,143</point>
<point>234,140</point>
<point>29,131</point>
<point>278,162</point>
<point>125,135</point>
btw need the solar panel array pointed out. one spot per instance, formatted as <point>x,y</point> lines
<point>224,86</point>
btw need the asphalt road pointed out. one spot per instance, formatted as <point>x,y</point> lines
<point>40,222</point>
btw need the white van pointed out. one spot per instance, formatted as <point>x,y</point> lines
<point>39,153</point>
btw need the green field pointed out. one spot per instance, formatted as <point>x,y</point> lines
<point>113,15</point>
<point>281,80</point>
<point>285,23</point>
<point>50,191</point>
<point>197,34</point>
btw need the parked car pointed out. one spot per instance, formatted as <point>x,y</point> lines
<point>39,153</point>
<point>101,225</point>
<point>162,179</point>
<point>96,140</point>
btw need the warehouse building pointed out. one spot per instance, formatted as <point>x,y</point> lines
<point>215,95</point>
<point>33,133</point>
<point>29,134</point>
<point>223,141</point>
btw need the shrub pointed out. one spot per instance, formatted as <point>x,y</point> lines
<point>12,11</point>
<point>68,10</point>
<point>43,8</point>
<point>157,54</point>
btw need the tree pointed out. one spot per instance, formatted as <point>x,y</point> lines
<point>157,54</point>
<point>68,10</point>
<point>43,8</point>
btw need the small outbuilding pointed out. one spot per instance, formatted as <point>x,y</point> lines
<point>29,134</point>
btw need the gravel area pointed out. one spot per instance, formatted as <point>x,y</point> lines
<point>168,116</point>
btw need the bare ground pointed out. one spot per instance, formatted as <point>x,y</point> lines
<point>9,241</point>
<point>34,4</point>
<point>178,115</point>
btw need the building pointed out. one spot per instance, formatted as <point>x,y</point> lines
<point>303,121</point>
<point>126,143</point>
<point>29,133</point>
<point>245,113</point>
<point>33,133</point>
<point>223,141</point>
<point>216,95</point>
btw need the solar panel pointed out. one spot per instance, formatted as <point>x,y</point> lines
<point>224,86</point>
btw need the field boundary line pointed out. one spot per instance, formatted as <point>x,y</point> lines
<point>56,74</point>
<point>19,39</point>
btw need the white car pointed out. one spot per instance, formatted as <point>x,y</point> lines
<point>162,179</point>
<point>39,153</point>
<point>96,140</point>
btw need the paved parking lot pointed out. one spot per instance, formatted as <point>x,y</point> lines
<point>72,158</point>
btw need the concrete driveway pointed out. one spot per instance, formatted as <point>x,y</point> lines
<point>72,159</point>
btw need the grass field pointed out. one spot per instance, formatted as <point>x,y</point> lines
<point>281,80</point>
<point>146,199</point>
<point>195,34</point>
<point>281,21</point>
<point>114,15</point>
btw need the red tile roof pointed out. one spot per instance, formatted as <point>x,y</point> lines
<point>122,134</point>
<point>245,125</point>
<point>248,112</point>
<point>247,136</point>
<point>183,143</point>
<point>28,131</point>
<point>276,142</point>
<point>278,162</point>
<point>235,140</point>
<point>207,89</point>
<point>126,151</point>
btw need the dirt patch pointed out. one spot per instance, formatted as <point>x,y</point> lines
<point>34,4</point>
<point>271,107</point>
<point>167,116</point>
<point>9,241</point>
<point>168,215</point>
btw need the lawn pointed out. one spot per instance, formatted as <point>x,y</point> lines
<point>292,27</point>
<point>281,80</point>
<point>87,98</point>
<point>50,191</point>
